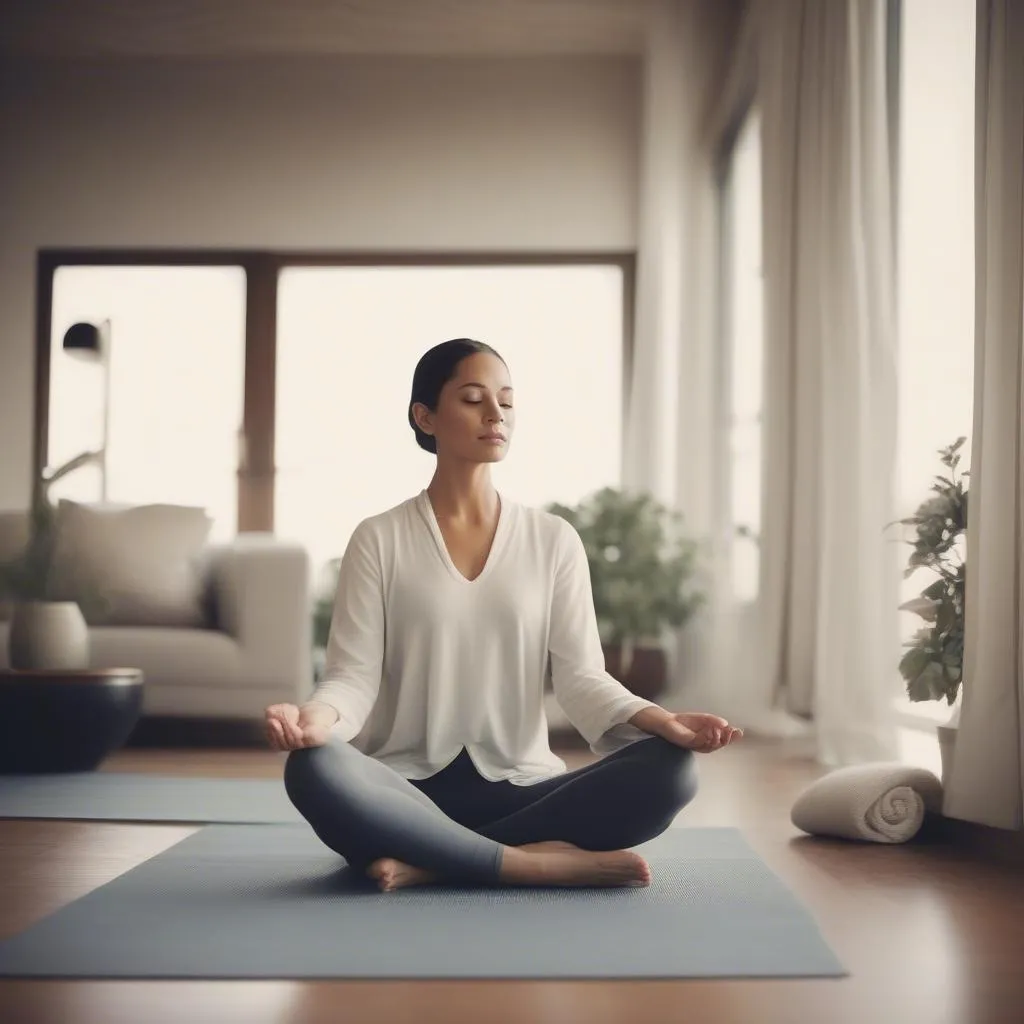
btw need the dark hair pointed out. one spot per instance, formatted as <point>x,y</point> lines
<point>435,368</point>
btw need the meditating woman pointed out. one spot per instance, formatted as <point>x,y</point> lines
<point>423,754</point>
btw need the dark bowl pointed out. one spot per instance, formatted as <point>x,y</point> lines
<point>65,721</point>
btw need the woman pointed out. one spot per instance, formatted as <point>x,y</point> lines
<point>423,754</point>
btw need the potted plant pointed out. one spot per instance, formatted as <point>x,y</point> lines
<point>933,663</point>
<point>46,632</point>
<point>323,611</point>
<point>643,571</point>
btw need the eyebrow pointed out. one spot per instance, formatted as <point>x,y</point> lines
<point>474,384</point>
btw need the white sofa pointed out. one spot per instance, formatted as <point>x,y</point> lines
<point>254,650</point>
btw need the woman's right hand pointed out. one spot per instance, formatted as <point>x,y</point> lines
<point>290,728</point>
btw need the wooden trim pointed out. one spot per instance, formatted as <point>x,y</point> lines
<point>45,269</point>
<point>327,258</point>
<point>256,459</point>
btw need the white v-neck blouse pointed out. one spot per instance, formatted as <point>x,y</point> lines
<point>422,661</point>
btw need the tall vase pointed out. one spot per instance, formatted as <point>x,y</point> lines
<point>48,635</point>
<point>947,742</point>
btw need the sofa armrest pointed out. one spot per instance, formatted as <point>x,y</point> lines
<point>261,590</point>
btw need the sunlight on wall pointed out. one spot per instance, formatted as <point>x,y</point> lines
<point>349,340</point>
<point>746,352</point>
<point>935,252</point>
<point>936,240</point>
<point>177,373</point>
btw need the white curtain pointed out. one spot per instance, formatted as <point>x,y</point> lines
<point>827,635</point>
<point>648,458</point>
<point>986,784</point>
<point>670,444</point>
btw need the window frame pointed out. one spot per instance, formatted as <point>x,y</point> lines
<point>256,470</point>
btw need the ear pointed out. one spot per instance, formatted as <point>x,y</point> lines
<point>423,417</point>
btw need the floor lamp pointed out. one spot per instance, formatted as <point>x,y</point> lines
<point>89,342</point>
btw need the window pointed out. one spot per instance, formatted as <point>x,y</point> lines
<point>348,342</point>
<point>935,257</point>
<point>743,311</point>
<point>176,371</point>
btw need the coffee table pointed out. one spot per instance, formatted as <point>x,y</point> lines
<point>56,721</point>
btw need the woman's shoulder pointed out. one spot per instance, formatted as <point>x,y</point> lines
<point>545,526</point>
<point>387,523</point>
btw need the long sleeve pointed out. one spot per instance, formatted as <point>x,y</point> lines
<point>355,646</point>
<point>597,704</point>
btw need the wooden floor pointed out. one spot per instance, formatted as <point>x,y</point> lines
<point>929,933</point>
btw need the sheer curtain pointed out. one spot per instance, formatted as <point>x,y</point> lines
<point>828,631</point>
<point>671,425</point>
<point>986,784</point>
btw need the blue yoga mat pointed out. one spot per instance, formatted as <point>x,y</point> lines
<point>123,796</point>
<point>271,901</point>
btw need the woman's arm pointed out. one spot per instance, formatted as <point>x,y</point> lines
<point>595,702</point>
<point>355,645</point>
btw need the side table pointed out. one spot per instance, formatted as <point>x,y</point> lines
<point>57,721</point>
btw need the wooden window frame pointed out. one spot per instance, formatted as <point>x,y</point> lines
<point>256,467</point>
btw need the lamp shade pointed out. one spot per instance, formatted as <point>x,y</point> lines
<point>84,341</point>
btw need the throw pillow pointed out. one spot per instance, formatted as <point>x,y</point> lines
<point>132,566</point>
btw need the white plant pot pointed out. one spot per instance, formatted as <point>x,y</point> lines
<point>48,635</point>
<point>947,743</point>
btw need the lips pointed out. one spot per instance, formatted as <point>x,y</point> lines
<point>493,437</point>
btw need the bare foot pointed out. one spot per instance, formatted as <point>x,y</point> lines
<point>571,866</point>
<point>394,874</point>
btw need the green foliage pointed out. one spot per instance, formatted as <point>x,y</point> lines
<point>643,567</point>
<point>323,605</point>
<point>28,576</point>
<point>933,663</point>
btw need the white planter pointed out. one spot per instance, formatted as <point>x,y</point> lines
<point>947,743</point>
<point>48,635</point>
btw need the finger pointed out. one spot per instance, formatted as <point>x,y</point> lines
<point>283,739</point>
<point>272,737</point>
<point>284,735</point>
<point>289,730</point>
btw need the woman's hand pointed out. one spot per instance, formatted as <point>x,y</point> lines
<point>694,730</point>
<point>289,727</point>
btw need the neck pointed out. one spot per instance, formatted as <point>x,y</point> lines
<point>463,491</point>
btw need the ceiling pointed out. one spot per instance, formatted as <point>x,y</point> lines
<point>218,28</point>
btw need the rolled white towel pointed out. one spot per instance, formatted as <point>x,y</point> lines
<point>884,802</point>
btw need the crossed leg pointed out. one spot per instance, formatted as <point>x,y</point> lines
<point>457,825</point>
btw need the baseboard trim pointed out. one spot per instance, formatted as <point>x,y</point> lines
<point>992,845</point>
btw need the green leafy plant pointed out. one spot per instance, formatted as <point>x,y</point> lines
<point>323,603</point>
<point>933,663</point>
<point>29,575</point>
<point>643,566</point>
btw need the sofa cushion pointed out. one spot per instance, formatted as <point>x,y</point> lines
<point>132,566</point>
<point>167,655</point>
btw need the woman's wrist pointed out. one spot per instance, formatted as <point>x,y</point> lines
<point>316,712</point>
<point>651,720</point>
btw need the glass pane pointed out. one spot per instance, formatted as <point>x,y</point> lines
<point>746,358</point>
<point>348,342</point>
<point>176,364</point>
<point>935,250</point>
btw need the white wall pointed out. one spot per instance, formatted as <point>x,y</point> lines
<point>353,152</point>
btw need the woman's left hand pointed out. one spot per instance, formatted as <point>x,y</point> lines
<point>694,730</point>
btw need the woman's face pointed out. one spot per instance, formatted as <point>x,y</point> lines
<point>474,405</point>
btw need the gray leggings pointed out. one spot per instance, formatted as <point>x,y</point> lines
<point>456,823</point>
